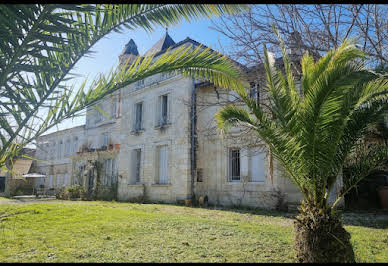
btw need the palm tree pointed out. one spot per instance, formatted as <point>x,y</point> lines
<point>311,128</point>
<point>40,44</point>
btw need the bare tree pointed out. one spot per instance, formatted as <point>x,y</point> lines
<point>313,28</point>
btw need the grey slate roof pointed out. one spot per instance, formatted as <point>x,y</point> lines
<point>130,48</point>
<point>165,42</point>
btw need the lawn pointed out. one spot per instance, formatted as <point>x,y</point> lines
<point>95,231</point>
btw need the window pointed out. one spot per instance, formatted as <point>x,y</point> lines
<point>75,145</point>
<point>162,173</point>
<point>110,174</point>
<point>254,92</point>
<point>136,166</point>
<point>234,165</point>
<point>98,115</point>
<point>138,116</point>
<point>163,112</point>
<point>257,165</point>
<point>140,84</point>
<point>67,148</point>
<point>105,140</point>
<point>60,149</point>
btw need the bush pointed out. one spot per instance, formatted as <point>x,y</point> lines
<point>76,192</point>
<point>62,193</point>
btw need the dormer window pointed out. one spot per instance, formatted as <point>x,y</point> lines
<point>140,84</point>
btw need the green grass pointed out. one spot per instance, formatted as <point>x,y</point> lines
<point>96,231</point>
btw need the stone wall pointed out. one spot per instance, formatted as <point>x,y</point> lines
<point>175,135</point>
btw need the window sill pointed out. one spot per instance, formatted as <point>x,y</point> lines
<point>137,132</point>
<point>160,127</point>
<point>161,185</point>
<point>135,185</point>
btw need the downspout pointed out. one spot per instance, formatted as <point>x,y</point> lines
<point>193,137</point>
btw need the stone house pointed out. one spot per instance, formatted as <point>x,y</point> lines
<point>168,148</point>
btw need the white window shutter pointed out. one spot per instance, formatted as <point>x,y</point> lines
<point>257,165</point>
<point>142,115</point>
<point>132,178</point>
<point>169,105</point>
<point>163,165</point>
<point>157,111</point>
<point>134,117</point>
<point>243,162</point>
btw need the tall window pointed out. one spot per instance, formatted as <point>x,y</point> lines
<point>108,171</point>
<point>257,165</point>
<point>67,147</point>
<point>98,115</point>
<point>138,116</point>
<point>136,166</point>
<point>106,139</point>
<point>60,149</point>
<point>162,112</point>
<point>254,92</point>
<point>234,164</point>
<point>75,145</point>
<point>162,154</point>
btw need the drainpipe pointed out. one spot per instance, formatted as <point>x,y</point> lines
<point>193,137</point>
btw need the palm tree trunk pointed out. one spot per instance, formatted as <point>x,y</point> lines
<point>321,237</point>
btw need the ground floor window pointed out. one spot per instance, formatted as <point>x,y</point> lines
<point>110,172</point>
<point>234,164</point>
<point>135,166</point>
<point>162,170</point>
<point>257,165</point>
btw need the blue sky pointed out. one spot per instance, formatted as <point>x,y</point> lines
<point>109,48</point>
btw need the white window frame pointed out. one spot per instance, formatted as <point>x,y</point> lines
<point>138,125</point>
<point>160,119</point>
<point>162,180</point>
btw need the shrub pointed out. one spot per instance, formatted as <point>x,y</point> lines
<point>76,192</point>
<point>62,193</point>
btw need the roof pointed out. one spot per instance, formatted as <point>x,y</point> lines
<point>165,42</point>
<point>130,48</point>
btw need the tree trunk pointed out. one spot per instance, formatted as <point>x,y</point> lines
<point>321,237</point>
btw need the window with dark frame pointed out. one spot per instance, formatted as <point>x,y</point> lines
<point>139,116</point>
<point>164,109</point>
<point>234,165</point>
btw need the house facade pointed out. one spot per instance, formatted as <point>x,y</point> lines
<point>160,144</point>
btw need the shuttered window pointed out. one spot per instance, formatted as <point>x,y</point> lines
<point>163,110</point>
<point>135,166</point>
<point>257,165</point>
<point>163,164</point>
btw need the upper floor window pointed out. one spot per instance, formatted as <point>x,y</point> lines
<point>254,91</point>
<point>98,115</point>
<point>140,84</point>
<point>105,140</point>
<point>138,119</point>
<point>75,145</point>
<point>163,110</point>
<point>67,147</point>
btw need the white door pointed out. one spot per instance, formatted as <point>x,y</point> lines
<point>163,165</point>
